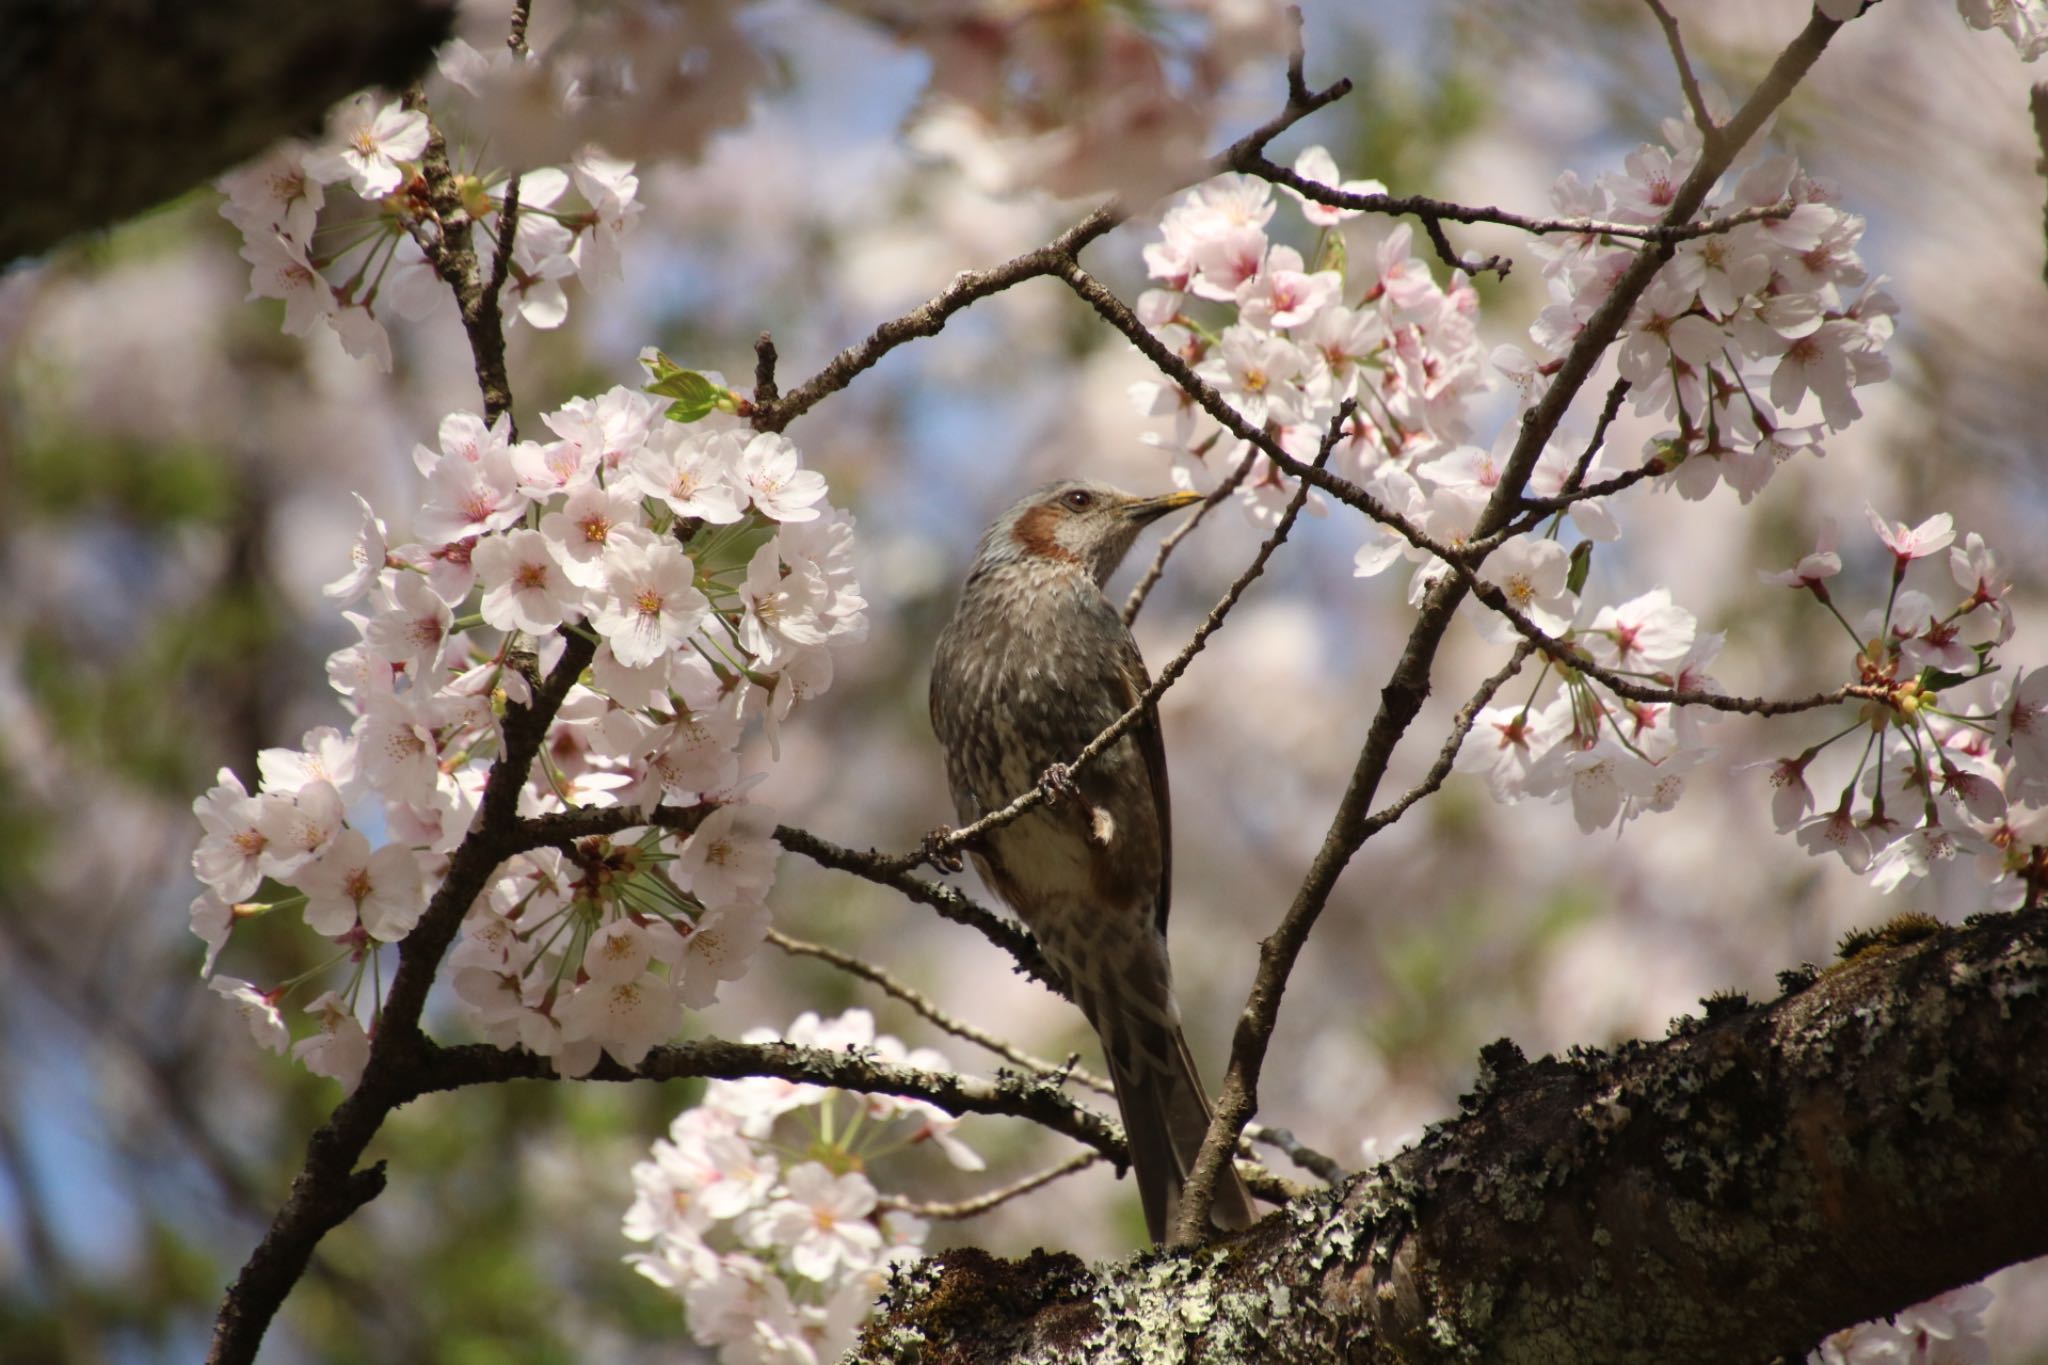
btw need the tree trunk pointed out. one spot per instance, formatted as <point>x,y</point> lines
<point>1759,1179</point>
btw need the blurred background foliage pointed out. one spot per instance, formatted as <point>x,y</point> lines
<point>175,476</point>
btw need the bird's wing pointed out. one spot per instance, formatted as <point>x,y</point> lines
<point>1152,744</point>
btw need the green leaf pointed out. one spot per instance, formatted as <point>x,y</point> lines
<point>694,394</point>
<point>1582,564</point>
<point>1333,255</point>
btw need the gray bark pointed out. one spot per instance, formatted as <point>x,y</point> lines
<point>108,107</point>
<point>1762,1177</point>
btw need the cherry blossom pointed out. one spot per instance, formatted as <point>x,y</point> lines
<point>821,1220</point>
<point>651,604</point>
<point>692,472</point>
<point>279,269</point>
<point>625,1018</point>
<point>1505,744</point>
<point>366,558</point>
<point>1947,1329</point>
<point>1837,832</point>
<point>339,1048</point>
<point>1640,633</point>
<point>767,468</point>
<point>1530,573</point>
<point>274,192</point>
<point>1315,163</point>
<point>585,527</point>
<point>257,1010</point>
<point>374,141</point>
<point>231,857</point>
<point>523,585</point>
<point>720,949</point>
<point>774,1255</point>
<point>1908,543</point>
<point>350,884</point>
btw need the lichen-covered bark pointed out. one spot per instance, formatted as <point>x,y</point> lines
<point>1760,1178</point>
<point>110,106</point>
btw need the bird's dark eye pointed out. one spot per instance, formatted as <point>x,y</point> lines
<point>1080,499</point>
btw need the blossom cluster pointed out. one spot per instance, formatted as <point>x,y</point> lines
<point>1943,774</point>
<point>1610,756</point>
<point>1111,98</point>
<point>713,578</point>
<point>352,268</point>
<point>1741,335</point>
<point>758,1211</point>
<point>2024,22</point>
<point>1948,1329</point>
<point>1286,339</point>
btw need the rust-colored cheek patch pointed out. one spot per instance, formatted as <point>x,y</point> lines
<point>1037,533</point>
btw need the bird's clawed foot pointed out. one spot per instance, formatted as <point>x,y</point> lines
<point>1056,784</point>
<point>935,852</point>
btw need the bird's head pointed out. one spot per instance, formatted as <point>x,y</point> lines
<point>1075,524</point>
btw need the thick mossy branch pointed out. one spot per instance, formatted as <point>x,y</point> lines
<point>108,108</point>
<point>1764,1176</point>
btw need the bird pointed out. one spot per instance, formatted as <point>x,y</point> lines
<point>1034,663</point>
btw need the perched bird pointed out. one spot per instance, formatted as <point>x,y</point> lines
<point>1034,664</point>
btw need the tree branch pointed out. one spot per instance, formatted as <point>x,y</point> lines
<point>867,971</point>
<point>982,1203</point>
<point>1010,1095</point>
<point>1277,954</point>
<point>446,239</point>
<point>108,108</point>
<point>891,870</point>
<point>328,1188</point>
<point>1439,211</point>
<point>1694,99</point>
<point>1142,589</point>
<point>972,285</point>
<point>1401,700</point>
<point>1732,1193</point>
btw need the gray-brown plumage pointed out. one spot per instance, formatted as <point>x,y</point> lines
<point>1034,664</point>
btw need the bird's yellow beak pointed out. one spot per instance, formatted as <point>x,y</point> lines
<point>1143,510</point>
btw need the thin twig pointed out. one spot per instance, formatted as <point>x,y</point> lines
<point>1603,489</point>
<point>1433,228</point>
<point>969,286</point>
<point>1300,1153</point>
<point>436,1068</point>
<point>924,1005</point>
<point>896,871</point>
<point>444,235</point>
<point>1056,1073</point>
<point>508,232</point>
<point>1694,99</point>
<point>1143,589</point>
<point>558,828</point>
<point>764,370</point>
<point>1569,655</point>
<point>1426,208</point>
<point>1298,94</point>
<point>515,37</point>
<point>1609,410</point>
<point>1447,755</point>
<point>982,1203</point>
<point>1118,314</point>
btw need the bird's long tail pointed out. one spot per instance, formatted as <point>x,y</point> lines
<point>1166,1113</point>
